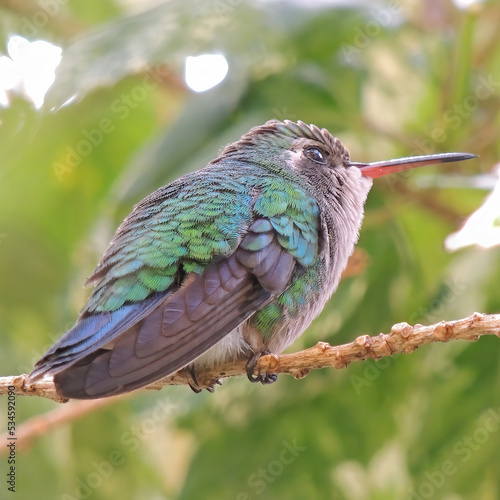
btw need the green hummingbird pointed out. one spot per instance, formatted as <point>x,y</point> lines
<point>230,262</point>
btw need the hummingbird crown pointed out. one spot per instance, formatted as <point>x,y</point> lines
<point>284,134</point>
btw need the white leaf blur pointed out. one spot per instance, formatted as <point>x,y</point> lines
<point>482,228</point>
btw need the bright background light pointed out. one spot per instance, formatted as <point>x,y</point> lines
<point>465,4</point>
<point>29,70</point>
<point>205,71</point>
<point>482,228</point>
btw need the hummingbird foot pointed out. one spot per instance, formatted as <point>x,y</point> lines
<point>263,378</point>
<point>195,386</point>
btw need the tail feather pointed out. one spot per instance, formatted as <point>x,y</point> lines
<point>120,369</point>
<point>91,333</point>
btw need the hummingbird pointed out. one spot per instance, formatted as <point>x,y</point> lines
<point>230,262</point>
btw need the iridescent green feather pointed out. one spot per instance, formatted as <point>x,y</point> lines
<point>196,219</point>
<point>288,303</point>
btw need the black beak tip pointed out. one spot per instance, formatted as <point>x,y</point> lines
<point>458,157</point>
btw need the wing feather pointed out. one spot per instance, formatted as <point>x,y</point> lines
<point>171,337</point>
<point>192,262</point>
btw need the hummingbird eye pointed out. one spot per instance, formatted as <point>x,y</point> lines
<point>315,154</point>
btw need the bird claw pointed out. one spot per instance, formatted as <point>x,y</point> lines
<point>194,389</point>
<point>195,386</point>
<point>263,378</point>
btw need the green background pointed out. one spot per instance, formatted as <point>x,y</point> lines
<point>390,80</point>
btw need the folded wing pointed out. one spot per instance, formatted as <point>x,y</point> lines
<point>172,284</point>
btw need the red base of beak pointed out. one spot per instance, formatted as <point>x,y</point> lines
<point>380,168</point>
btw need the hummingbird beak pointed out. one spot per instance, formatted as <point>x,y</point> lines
<point>380,168</point>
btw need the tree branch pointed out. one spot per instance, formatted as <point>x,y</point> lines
<point>403,338</point>
<point>28,431</point>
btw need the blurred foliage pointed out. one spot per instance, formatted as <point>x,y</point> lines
<point>390,81</point>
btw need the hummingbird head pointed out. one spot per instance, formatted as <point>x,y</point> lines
<point>315,155</point>
<point>271,144</point>
<point>305,154</point>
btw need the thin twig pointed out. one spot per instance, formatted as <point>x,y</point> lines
<point>402,339</point>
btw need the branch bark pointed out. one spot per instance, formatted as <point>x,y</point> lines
<point>403,338</point>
